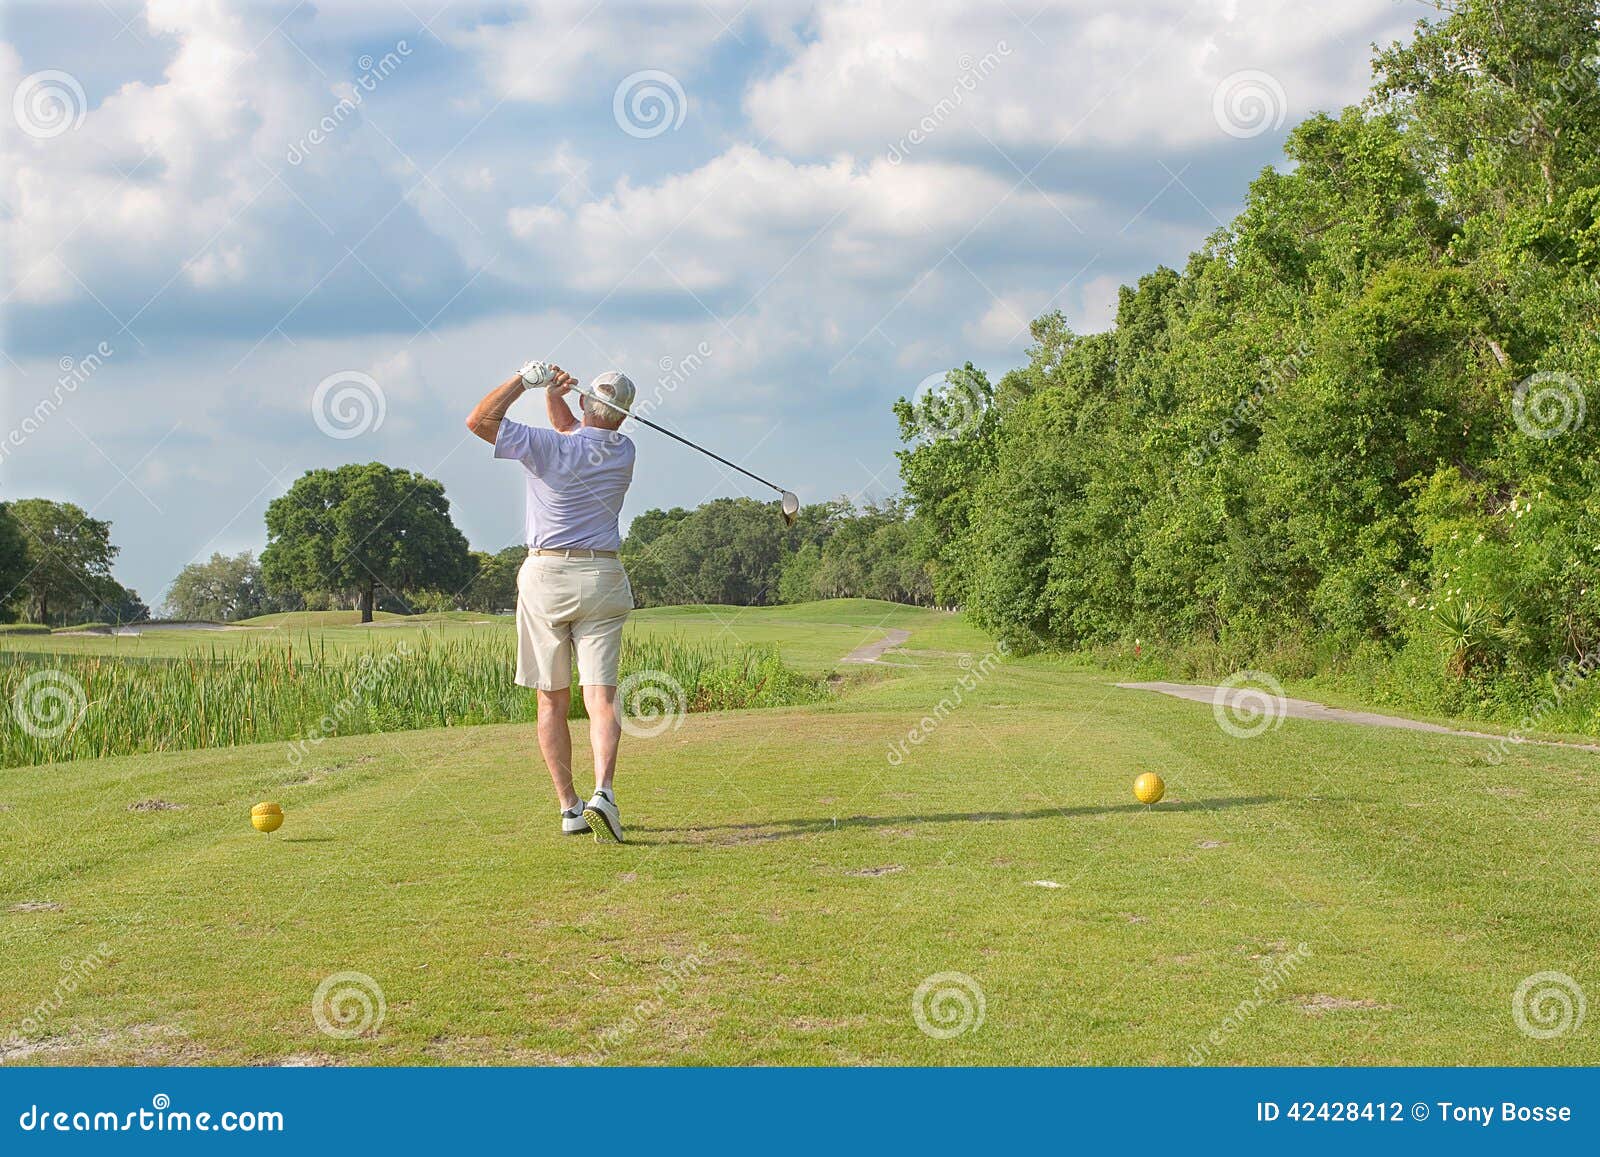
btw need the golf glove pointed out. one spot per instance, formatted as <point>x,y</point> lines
<point>536,374</point>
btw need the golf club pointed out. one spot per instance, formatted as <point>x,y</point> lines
<point>789,503</point>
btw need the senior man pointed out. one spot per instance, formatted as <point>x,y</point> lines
<point>572,592</point>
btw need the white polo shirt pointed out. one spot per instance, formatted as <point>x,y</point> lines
<point>575,482</point>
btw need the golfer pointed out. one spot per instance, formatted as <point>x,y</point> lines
<point>572,593</point>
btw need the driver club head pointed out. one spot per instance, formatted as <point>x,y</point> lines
<point>790,506</point>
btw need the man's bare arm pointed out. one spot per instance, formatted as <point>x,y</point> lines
<point>486,416</point>
<point>555,404</point>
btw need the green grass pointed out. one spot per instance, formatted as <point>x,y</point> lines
<point>788,887</point>
<point>811,636</point>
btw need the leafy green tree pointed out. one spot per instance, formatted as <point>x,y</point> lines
<point>951,436</point>
<point>69,556</point>
<point>13,563</point>
<point>362,529</point>
<point>495,587</point>
<point>221,590</point>
<point>797,582</point>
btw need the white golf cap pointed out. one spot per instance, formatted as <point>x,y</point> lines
<point>614,386</point>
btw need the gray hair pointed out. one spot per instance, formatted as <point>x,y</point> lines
<point>613,386</point>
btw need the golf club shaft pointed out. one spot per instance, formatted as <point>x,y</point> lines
<point>693,446</point>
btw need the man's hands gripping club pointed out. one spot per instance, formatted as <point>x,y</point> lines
<point>486,416</point>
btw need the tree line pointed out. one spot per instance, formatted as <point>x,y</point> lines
<point>374,538</point>
<point>1358,424</point>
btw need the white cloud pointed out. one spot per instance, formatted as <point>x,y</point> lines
<point>745,218</point>
<point>1078,73</point>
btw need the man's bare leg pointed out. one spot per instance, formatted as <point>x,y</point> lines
<point>604,731</point>
<point>555,743</point>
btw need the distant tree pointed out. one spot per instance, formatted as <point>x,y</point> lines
<point>797,583</point>
<point>730,550</point>
<point>224,589</point>
<point>13,563</point>
<point>113,603</point>
<point>68,554</point>
<point>495,587</point>
<point>360,529</point>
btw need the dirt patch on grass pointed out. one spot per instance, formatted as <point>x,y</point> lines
<point>882,870</point>
<point>455,1050</point>
<point>1319,1003</point>
<point>139,1044</point>
<point>35,906</point>
<point>308,1061</point>
<point>155,805</point>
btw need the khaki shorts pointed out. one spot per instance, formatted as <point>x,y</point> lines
<point>567,604</point>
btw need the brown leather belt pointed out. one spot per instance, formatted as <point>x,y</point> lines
<point>575,552</point>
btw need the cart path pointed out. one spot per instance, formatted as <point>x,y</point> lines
<point>1235,697</point>
<point>873,652</point>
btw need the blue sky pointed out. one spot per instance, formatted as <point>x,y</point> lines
<point>257,208</point>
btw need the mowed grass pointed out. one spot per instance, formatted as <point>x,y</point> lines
<point>811,636</point>
<point>788,887</point>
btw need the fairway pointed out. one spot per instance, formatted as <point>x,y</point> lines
<point>1321,893</point>
<point>810,636</point>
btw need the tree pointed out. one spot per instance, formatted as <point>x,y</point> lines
<point>495,587</point>
<point>1358,423</point>
<point>221,590</point>
<point>13,563</point>
<point>730,550</point>
<point>798,581</point>
<point>68,553</point>
<point>360,529</point>
<point>113,603</point>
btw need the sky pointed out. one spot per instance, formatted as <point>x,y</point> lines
<point>246,240</point>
